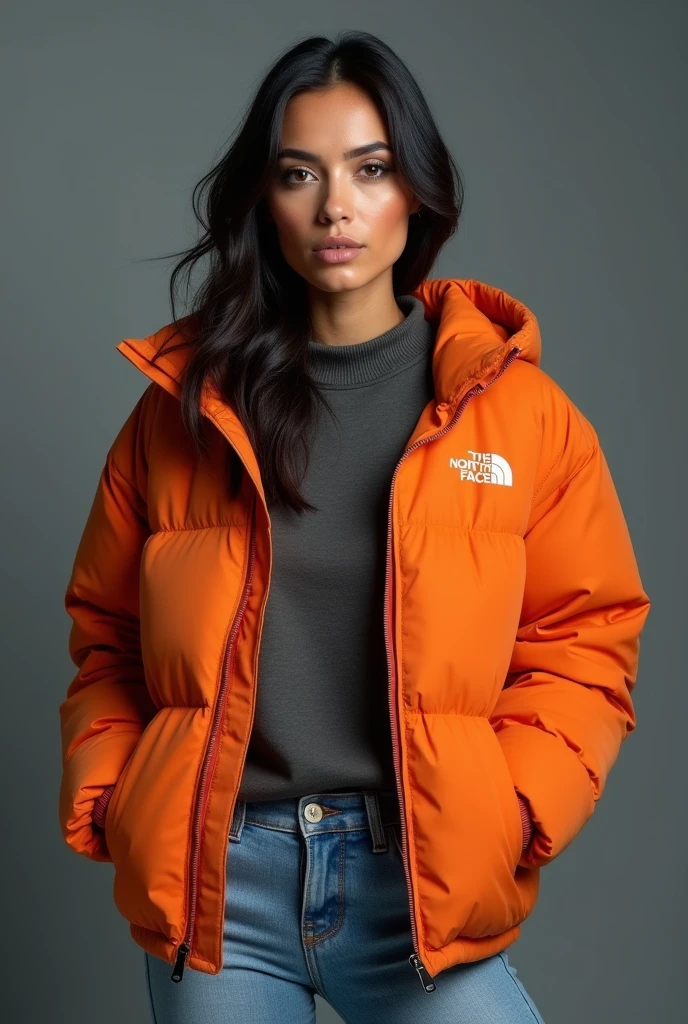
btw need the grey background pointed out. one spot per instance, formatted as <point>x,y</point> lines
<point>568,121</point>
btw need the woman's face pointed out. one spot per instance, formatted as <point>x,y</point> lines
<point>326,190</point>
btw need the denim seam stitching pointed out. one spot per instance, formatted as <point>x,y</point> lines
<point>150,993</point>
<point>313,940</point>
<point>518,987</point>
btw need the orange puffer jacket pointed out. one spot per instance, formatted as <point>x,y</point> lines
<point>512,615</point>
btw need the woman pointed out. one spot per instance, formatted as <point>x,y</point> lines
<point>452,632</point>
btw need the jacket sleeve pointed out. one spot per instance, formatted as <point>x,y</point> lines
<point>107,704</point>
<point>566,707</point>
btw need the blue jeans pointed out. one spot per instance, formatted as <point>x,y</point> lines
<point>316,901</point>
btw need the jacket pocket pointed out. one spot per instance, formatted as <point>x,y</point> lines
<point>117,788</point>
<point>465,842</point>
<point>149,819</point>
<point>509,801</point>
<point>114,791</point>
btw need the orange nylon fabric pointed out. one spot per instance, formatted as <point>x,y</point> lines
<point>516,606</point>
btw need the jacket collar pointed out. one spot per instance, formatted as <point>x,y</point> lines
<point>477,327</point>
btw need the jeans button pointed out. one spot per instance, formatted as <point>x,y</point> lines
<point>312,812</point>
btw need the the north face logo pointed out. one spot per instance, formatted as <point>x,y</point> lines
<point>484,468</point>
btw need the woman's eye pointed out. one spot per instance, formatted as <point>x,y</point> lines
<point>285,176</point>
<point>379,167</point>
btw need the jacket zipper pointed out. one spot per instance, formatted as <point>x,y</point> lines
<point>211,751</point>
<point>210,759</point>
<point>414,959</point>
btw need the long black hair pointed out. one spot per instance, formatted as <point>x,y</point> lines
<point>249,322</point>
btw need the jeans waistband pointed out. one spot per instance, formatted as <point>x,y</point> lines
<point>371,809</point>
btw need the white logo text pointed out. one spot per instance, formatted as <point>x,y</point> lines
<point>483,468</point>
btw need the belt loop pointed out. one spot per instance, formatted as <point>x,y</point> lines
<point>237,821</point>
<point>375,821</point>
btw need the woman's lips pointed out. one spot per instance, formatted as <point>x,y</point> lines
<point>337,255</point>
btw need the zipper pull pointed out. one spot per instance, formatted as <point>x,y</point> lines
<point>428,983</point>
<point>178,971</point>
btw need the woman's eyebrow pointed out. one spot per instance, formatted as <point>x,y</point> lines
<point>303,154</point>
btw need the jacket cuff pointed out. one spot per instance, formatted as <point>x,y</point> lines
<point>555,784</point>
<point>100,806</point>
<point>526,823</point>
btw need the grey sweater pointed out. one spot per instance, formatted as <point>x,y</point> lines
<point>321,719</point>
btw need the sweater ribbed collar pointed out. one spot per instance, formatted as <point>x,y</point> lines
<point>341,366</point>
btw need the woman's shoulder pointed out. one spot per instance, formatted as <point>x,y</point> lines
<point>548,397</point>
<point>564,436</point>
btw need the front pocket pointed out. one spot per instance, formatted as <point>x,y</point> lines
<point>509,798</point>
<point>115,792</point>
<point>394,833</point>
<point>120,780</point>
<point>464,827</point>
<point>148,824</point>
